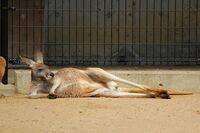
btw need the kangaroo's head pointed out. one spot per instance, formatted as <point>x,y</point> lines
<point>40,71</point>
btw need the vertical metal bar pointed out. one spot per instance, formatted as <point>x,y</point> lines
<point>197,28</point>
<point>62,33</point>
<point>139,31</point>
<point>167,32</point>
<point>4,37</point>
<point>161,32</point>
<point>69,33</point>
<point>55,29</point>
<point>175,34</point>
<point>189,32</point>
<point>1,6</point>
<point>98,30</point>
<point>90,31</point>
<point>42,22</point>
<point>154,5</point>
<point>182,44</point>
<point>33,26</point>
<point>104,31</point>
<point>125,27</point>
<point>26,27</point>
<point>19,30</point>
<point>111,31</point>
<point>47,29</point>
<point>147,9</point>
<point>83,31</point>
<point>118,27</point>
<point>132,37</point>
<point>12,32</point>
<point>76,32</point>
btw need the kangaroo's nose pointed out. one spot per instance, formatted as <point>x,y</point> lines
<point>52,74</point>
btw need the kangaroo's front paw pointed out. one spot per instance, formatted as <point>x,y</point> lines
<point>52,91</point>
<point>33,93</point>
<point>52,96</point>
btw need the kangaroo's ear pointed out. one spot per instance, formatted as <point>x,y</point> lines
<point>29,62</point>
<point>38,56</point>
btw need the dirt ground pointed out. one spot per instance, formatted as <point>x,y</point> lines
<point>181,114</point>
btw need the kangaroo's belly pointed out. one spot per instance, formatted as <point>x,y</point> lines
<point>74,83</point>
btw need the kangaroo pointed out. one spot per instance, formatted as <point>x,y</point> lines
<point>2,68</point>
<point>89,82</point>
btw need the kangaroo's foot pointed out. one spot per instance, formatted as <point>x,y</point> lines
<point>163,94</point>
<point>52,96</point>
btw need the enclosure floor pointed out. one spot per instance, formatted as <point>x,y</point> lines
<point>181,114</point>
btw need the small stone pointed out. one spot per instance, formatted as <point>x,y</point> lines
<point>129,118</point>
<point>7,90</point>
<point>198,112</point>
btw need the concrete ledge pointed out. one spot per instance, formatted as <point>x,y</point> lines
<point>174,79</point>
<point>7,90</point>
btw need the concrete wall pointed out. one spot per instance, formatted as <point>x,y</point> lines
<point>183,80</point>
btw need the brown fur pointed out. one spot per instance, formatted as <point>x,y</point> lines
<point>74,76</point>
<point>2,67</point>
<point>39,66</point>
<point>157,89</point>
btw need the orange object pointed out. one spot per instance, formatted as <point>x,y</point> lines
<point>2,67</point>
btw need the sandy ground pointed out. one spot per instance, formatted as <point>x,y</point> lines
<point>181,114</point>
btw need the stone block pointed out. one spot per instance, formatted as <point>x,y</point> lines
<point>22,81</point>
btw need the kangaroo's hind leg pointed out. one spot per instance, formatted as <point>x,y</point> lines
<point>109,79</point>
<point>158,93</point>
<point>100,75</point>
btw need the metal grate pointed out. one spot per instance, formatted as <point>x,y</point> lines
<point>106,32</point>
